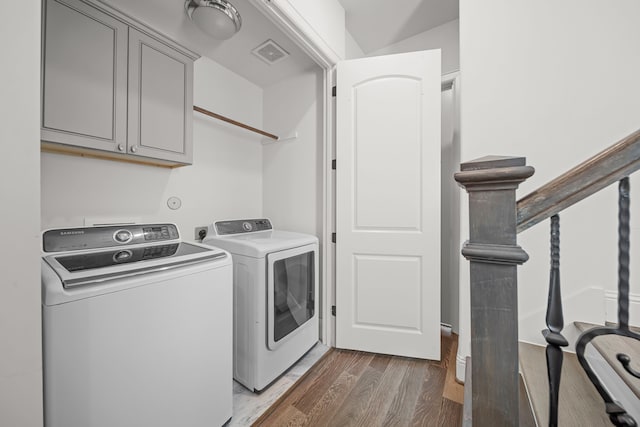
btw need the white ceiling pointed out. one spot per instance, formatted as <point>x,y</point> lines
<point>375,24</point>
<point>168,17</point>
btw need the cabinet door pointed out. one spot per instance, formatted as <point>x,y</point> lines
<point>84,76</point>
<point>160,100</point>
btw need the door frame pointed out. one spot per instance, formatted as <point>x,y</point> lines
<point>287,19</point>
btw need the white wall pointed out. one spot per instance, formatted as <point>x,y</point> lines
<point>445,37</point>
<point>20,330</point>
<point>292,170</point>
<point>224,182</point>
<point>352,48</point>
<point>555,83</point>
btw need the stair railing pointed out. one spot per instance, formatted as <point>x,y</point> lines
<point>494,221</point>
<point>614,409</point>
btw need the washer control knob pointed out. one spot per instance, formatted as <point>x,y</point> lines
<point>246,226</point>
<point>122,236</point>
<point>122,256</point>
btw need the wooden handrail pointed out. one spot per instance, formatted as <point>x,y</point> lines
<point>587,178</point>
<point>234,122</point>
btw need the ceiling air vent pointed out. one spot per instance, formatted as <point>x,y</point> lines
<point>270,52</point>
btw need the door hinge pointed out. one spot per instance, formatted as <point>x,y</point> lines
<point>333,237</point>
<point>334,90</point>
<point>333,164</point>
<point>333,310</point>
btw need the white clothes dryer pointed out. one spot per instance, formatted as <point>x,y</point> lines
<point>275,297</point>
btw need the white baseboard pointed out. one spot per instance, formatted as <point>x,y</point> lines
<point>611,308</point>
<point>461,364</point>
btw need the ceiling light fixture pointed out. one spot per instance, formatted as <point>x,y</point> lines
<point>218,18</point>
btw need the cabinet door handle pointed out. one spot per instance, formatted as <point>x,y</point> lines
<point>120,147</point>
<point>134,148</point>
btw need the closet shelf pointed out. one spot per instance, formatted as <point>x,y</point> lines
<point>234,122</point>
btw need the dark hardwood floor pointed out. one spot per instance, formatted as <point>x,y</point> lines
<point>352,388</point>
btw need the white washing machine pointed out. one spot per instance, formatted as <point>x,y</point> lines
<point>137,328</point>
<point>275,297</point>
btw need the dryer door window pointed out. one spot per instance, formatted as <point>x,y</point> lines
<point>291,294</point>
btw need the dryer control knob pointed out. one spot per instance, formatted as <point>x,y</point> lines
<point>246,226</point>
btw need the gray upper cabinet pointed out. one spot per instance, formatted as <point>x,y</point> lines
<point>112,88</point>
<point>160,100</point>
<point>84,84</point>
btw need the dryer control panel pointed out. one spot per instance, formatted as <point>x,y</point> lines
<point>239,226</point>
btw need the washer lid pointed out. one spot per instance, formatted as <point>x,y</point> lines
<point>259,244</point>
<point>97,266</point>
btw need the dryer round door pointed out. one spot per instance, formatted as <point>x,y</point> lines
<point>291,291</point>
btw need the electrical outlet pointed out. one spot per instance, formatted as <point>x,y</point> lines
<point>201,233</point>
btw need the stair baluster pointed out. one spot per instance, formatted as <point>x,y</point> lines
<point>623,272</point>
<point>555,323</point>
<point>623,254</point>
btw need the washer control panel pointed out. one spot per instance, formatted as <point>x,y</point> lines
<point>242,226</point>
<point>73,239</point>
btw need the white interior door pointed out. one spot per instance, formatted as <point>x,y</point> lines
<point>388,204</point>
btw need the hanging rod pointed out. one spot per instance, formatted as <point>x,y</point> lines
<point>233,122</point>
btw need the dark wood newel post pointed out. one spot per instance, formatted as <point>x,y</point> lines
<point>494,255</point>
